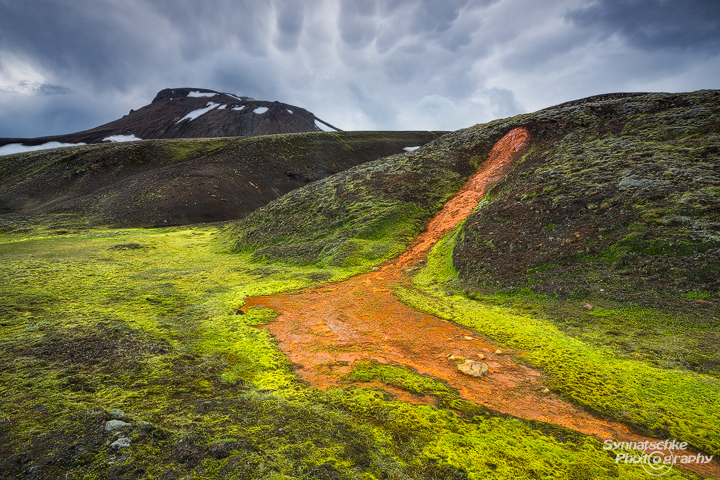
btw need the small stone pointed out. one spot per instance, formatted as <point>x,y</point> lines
<point>481,356</point>
<point>115,424</point>
<point>498,352</point>
<point>546,390</point>
<point>587,306</point>
<point>117,414</point>
<point>467,338</point>
<point>221,449</point>
<point>473,368</point>
<point>453,357</point>
<point>122,442</point>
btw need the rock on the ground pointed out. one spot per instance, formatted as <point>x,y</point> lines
<point>122,442</point>
<point>115,424</point>
<point>473,368</point>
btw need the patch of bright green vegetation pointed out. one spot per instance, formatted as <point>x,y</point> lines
<point>697,295</point>
<point>396,376</point>
<point>143,321</point>
<point>660,402</point>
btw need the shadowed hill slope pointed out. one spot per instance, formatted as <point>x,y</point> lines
<point>616,189</point>
<point>171,182</point>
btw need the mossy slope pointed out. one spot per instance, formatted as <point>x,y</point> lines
<point>622,195</point>
<point>364,215</point>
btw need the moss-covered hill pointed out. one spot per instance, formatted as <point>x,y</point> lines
<point>173,182</point>
<point>617,192</point>
<point>621,195</point>
<point>366,214</point>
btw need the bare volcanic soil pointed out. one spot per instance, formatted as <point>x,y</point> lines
<point>177,182</point>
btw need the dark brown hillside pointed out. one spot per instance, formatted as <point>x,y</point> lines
<point>173,182</point>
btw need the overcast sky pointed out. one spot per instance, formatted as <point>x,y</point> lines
<point>67,65</point>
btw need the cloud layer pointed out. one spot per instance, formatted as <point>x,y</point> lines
<point>359,64</point>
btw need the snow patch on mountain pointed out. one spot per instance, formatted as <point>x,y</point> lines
<point>239,108</point>
<point>196,113</point>
<point>121,138</point>
<point>260,110</point>
<point>323,127</point>
<point>20,148</point>
<point>201,94</point>
<point>410,149</point>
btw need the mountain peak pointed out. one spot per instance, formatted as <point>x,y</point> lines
<point>174,93</point>
<point>192,113</point>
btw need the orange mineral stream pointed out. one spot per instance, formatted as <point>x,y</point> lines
<point>325,330</point>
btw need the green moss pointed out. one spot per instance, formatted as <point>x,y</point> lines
<point>396,376</point>
<point>696,295</point>
<point>659,402</point>
<point>142,321</point>
<point>360,217</point>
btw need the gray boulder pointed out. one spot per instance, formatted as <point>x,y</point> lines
<point>473,368</point>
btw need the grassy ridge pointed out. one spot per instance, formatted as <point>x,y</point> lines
<point>620,195</point>
<point>364,215</point>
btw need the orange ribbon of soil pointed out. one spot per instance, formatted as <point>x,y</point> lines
<point>325,330</point>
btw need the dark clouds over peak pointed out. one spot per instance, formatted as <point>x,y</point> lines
<point>655,24</point>
<point>359,64</point>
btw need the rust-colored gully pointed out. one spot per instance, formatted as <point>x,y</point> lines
<point>324,330</point>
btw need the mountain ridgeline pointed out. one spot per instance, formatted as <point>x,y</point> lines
<point>194,113</point>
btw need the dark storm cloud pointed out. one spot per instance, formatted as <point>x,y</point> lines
<point>387,21</point>
<point>359,64</point>
<point>290,16</point>
<point>47,89</point>
<point>92,39</point>
<point>656,24</point>
<point>358,26</point>
<point>205,26</point>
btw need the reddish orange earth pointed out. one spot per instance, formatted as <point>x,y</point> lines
<point>327,329</point>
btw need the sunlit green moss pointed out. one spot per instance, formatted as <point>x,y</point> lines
<point>142,321</point>
<point>660,402</point>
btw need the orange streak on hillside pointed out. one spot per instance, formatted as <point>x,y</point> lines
<point>325,330</point>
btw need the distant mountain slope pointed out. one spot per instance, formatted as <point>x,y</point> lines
<point>618,192</point>
<point>172,182</point>
<point>193,113</point>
